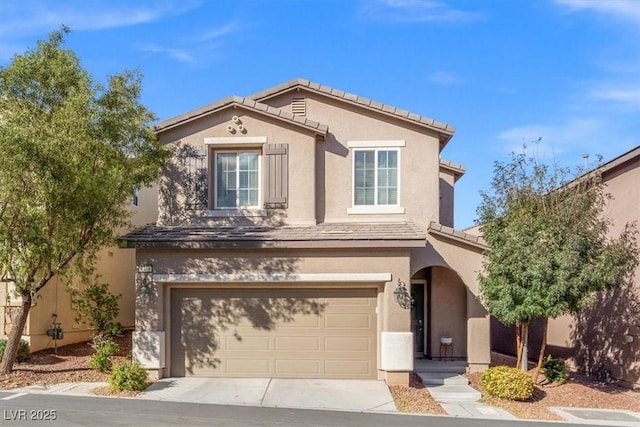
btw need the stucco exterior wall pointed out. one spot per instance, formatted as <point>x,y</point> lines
<point>419,160</point>
<point>597,335</point>
<point>151,307</point>
<point>448,312</point>
<point>446,183</point>
<point>114,266</point>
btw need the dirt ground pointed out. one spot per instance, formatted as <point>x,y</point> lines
<point>578,392</point>
<point>71,364</point>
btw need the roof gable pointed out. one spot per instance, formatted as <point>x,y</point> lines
<point>246,103</point>
<point>445,131</point>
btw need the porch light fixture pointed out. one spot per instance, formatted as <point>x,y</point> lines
<point>403,298</point>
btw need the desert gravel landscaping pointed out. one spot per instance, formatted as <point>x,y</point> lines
<point>71,364</point>
<point>578,392</point>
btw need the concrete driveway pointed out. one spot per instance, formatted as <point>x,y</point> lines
<point>347,395</point>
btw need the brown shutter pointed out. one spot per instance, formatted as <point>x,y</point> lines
<point>197,177</point>
<point>276,175</point>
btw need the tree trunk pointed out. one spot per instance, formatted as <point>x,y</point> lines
<point>518,344</point>
<point>542,349</point>
<point>13,341</point>
<point>524,362</point>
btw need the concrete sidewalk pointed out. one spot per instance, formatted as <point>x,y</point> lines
<point>343,395</point>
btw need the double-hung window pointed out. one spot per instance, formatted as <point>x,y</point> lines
<point>376,177</point>
<point>237,179</point>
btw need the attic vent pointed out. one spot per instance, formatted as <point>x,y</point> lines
<point>298,107</point>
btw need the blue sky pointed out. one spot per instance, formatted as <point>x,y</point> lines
<point>503,72</point>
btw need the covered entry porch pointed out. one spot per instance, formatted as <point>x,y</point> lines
<point>448,321</point>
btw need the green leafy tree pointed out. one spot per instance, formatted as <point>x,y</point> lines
<point>72,153</point>
<point>551,250</point>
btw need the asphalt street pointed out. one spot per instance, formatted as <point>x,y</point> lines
<point>27,409</point>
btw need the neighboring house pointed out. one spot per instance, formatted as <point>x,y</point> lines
<point>286,221</point>
<point>609,331</point>
<point>53,303</point>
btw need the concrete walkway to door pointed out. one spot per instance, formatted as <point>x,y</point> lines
<point>346,395</point>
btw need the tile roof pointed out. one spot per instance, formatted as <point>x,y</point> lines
<point>386,234</point>
<point>456,168</point>
<point>246,103</point>
<point>461,236</point>
<point>445,131</point>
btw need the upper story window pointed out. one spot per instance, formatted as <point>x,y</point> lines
<point>376,177</point>
<point>135,199</point>
<point>237,179</point>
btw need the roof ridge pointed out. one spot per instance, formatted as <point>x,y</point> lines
<point>444,129</point>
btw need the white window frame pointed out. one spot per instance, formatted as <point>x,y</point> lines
<point>135,199</point>
<point>215,180</point>
<point>375,146</point>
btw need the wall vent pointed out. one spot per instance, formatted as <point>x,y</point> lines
<point>298,107</point>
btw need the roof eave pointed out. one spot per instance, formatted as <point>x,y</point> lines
<point>237,102</point>
<point>445,131</point>
<point>270,244</point>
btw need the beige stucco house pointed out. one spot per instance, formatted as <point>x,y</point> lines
<point>609,331</point>
<point>52,304</point>
<point>289,224</point>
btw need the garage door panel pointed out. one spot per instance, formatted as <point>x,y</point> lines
<point>290,333</point>
<point>350,344</point>
<point>297,344</point>
<point>297,367</point>
<point>341,367</point>
<point>247,343</point>
<point>347,321</point>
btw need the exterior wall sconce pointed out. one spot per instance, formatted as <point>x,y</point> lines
<point>403,298</point>
<point>629,338</point>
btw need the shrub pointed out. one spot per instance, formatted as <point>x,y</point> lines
<point>554,369</point>
<point>507,383</point>
<point>23,349</point>
<point>128,376</point>
<point>105,348</point>
<point>115,329</point>
<point>96,304</point>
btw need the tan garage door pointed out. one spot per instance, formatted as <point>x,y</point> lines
<point>286,333</point>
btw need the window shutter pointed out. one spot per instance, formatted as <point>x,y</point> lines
<point>197,178</point>
<point>276,178</point>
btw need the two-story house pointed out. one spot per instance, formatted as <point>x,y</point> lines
<point>305,232</point>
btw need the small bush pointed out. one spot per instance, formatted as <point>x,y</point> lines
<point>554,369</point>
<point>507,383</point>
<point>128,376</point>
<point>115,329</point>
<point>97,306</point>
<point>101,360</point>
<point>23,349</point>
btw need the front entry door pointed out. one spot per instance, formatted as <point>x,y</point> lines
<point>418,317</point>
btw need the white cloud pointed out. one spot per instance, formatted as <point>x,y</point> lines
<point>558,137</point>
<point>625,9</point>
<point>24,18</point>
<point>413,11</point>
<point>626,96</point>
<point>214,33</point>
<point>177,54</point>
<point>445,78</point>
